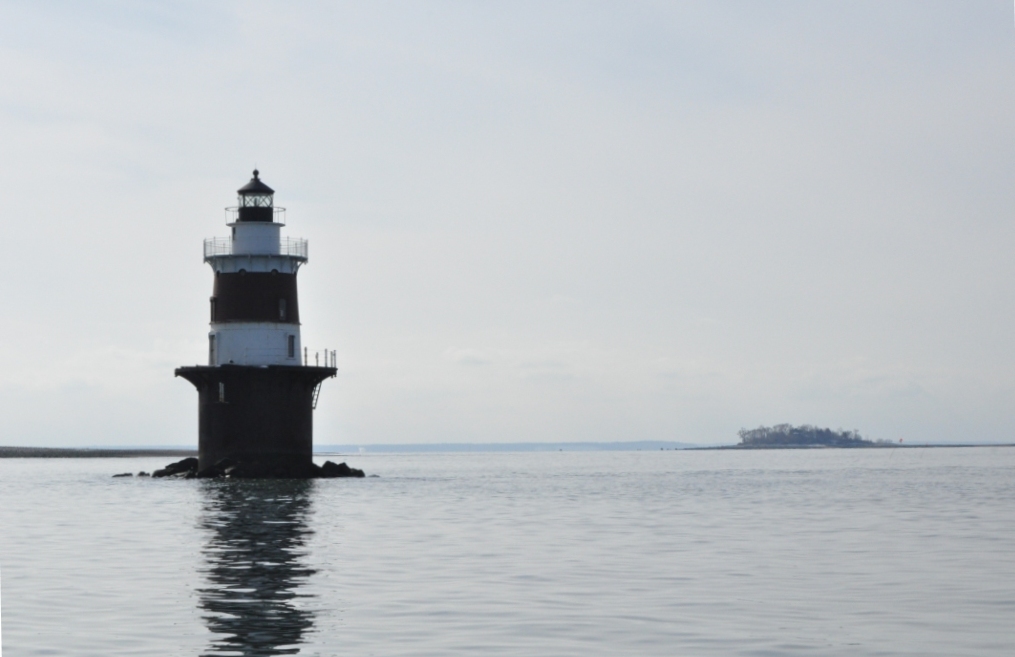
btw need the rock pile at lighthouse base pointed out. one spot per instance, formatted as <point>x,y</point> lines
<point>188,469</point>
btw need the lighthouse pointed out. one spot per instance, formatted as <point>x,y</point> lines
<point>256,395</point>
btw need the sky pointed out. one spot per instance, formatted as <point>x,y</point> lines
<point>528,221</point>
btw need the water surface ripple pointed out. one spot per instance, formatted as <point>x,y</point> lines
<point>817,552</point>
<point>257,532</point>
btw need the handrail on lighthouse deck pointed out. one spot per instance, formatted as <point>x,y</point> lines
<point>330,358</point>
<point>294,247</point>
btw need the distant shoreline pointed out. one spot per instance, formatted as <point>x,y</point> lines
<point>872,446</point>
<point>86,453</point>
<point>322,449</point>
<point>449,448</point>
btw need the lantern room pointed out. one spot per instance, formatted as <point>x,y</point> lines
<point>256,201</point>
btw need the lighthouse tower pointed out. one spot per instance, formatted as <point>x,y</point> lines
<point>257,392</point>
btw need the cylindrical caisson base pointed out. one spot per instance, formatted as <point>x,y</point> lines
<point>256,415</point>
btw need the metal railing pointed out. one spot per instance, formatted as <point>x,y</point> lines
<point>294,247</point>
<point>233,215</point>
<point>309,357</point>
<point>326,358</point>
<point>330,360</point>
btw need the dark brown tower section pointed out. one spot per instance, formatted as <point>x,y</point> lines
<point>260,415</point>
<point>255,297</point>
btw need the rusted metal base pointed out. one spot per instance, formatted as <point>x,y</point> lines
<point>256,415</point>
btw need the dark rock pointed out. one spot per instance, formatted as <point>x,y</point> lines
<point>248,471</point>
<point>217,470</point>
<point>123,474</point>
<point>187,469</point>
<point>184,466</point>
<point>143,474</point>
<point>330,470</point>
<point>222,464</point>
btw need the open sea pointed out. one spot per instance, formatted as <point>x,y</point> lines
<point>795,552</point>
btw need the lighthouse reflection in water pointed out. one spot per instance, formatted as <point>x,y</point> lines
<point>256,544</point>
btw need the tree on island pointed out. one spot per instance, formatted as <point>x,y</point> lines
<point>787,435</point>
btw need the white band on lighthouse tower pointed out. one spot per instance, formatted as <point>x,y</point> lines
<point>254,343</point>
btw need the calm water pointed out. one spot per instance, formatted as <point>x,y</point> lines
<point>830,552</point>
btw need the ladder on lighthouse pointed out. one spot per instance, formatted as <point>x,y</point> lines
<point>317,393</point>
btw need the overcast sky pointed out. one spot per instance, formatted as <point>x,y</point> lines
<point>527,221</point>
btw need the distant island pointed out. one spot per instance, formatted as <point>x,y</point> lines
<point>785,435</point>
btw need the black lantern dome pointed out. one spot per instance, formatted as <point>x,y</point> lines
<point>256,200</point>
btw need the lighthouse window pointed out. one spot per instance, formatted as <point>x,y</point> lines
<point>257,201</point>
<point>222,392</point>
<point>281,309</point>
<point>292,346</point>
<point>211,349</point>
<point>214,308</point>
